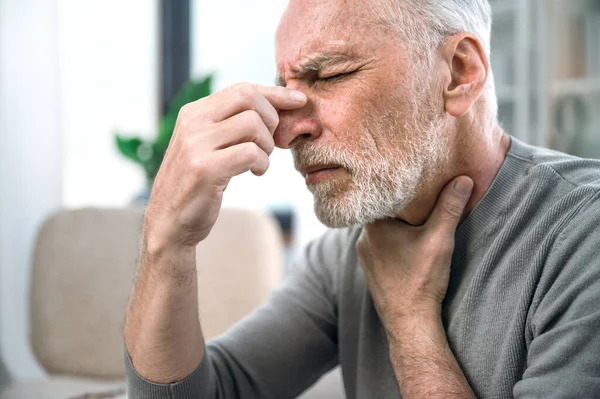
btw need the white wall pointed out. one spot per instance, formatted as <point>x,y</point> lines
<point>30,159</point>
<point>109,81</point>
<point>71,72</point>
<point>236,39</point>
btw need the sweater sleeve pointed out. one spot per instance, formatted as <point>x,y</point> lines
<point>279,350</point>
<point>564,352</point>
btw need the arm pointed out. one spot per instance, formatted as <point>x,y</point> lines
<point>215,139</point>
<point>162,330</point>
<point>280,349</point>
<point>423,363</point>
<point>407,270</point>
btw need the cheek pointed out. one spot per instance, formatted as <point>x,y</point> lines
<point>343,114</point>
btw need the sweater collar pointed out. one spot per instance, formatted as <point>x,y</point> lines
<point>488,212</point>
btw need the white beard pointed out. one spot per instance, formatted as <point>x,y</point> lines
<point>382,182</point>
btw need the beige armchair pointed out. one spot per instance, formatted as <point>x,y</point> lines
<point>83,269</point>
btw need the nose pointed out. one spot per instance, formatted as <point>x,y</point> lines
<point>297,125</point>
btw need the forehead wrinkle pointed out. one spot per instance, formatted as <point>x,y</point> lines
<point>318,61</point>
<point>314,62</point>
<point>303,54</point>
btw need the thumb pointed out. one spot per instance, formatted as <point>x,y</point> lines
<point>451,204</point>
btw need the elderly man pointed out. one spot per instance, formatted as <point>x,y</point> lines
<point>468,264</point>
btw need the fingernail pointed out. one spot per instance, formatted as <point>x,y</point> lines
<point>297,95</point>
<point>463,187</point>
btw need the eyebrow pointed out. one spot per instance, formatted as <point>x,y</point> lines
<point>314,63</point>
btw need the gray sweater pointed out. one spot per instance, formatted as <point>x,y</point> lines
<point>522,313</point>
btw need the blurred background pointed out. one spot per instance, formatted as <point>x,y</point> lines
<point>88,90</point>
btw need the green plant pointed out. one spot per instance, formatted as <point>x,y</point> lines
<point>149,154</point>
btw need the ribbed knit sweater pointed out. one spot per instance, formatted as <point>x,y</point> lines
<point>522,313</point>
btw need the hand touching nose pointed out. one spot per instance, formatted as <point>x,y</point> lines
<point>215,139</point>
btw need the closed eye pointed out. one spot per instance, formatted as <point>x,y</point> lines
<point>335,77</point>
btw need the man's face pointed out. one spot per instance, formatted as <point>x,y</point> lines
<point>371,134</point>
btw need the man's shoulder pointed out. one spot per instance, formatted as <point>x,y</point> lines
<point>570,170</point>
<point>551,187</point>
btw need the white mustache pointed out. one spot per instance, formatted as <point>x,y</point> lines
<point>305,155</point>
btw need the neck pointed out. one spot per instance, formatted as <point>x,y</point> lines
<point>478,156</point>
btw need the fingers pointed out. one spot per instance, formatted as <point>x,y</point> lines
<point>244,112</point>
<point>244,127</point>
<point>242,158</point>
<point>283,98</point>
<point>451,205</point>
<point>262,99</point>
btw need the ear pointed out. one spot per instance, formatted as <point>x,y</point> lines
<point>467,71</point>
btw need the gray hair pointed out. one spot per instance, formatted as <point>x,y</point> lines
<point>431,21</point>
<point>425,24</point>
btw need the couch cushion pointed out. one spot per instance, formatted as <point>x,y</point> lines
<point>83,270</point>
<point>65,388</point>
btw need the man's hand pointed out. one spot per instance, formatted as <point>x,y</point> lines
<point>407,270</point>
<point>215,139</point>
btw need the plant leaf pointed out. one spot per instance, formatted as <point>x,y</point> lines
<point>156,161</point>
<point>191,91</point>
<point>166,128</point>
<point>128,147</point>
